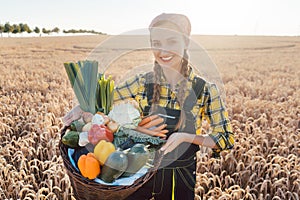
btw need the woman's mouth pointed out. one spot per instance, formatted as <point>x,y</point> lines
<point>166,58</point>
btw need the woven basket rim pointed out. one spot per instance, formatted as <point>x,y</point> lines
<point>78,180</point>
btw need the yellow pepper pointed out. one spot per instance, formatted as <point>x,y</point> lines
<point>102,150</point>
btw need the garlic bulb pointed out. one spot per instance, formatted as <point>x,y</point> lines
<point>98,119</point>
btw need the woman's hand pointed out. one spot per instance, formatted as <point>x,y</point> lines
<point>73,115</point>
<point>175,140</point>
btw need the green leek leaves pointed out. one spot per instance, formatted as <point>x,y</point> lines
<point>93,91</point>
<point>83,78</point>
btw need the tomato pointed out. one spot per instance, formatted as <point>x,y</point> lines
<point>99,132</point>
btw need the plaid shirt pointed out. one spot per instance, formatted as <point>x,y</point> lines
<point>209,106</point>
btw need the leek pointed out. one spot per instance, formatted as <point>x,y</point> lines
<point>83,78</point>
<point>104,94</point>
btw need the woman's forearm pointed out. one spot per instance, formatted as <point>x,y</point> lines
<point>177,138</point>
<point>202,140</point>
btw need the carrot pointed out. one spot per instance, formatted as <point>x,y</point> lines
<point>149,132</point>
<point>147,119</point>
<point>144,121</point>
<point>154,122</point>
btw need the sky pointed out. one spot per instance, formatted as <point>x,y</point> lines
<point>208,17</point>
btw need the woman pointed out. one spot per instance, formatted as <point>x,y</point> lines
<point>169,90</point>
<point>172,82</point>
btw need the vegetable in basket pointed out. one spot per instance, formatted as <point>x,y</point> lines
<point>83,78</point>
<point>102,150</point>
<point>89,166</point>
<point>71,139</point>
<point>125,114</point>
<point>87,127</point>
<point>114,166</point>
<point>104,93</point>
<point>99,132</point>
<point>137,156</point>
<point>77,125</point>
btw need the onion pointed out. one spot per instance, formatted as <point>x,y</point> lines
<point>87,117</point>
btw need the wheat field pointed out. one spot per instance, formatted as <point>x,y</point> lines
<point>261,76</point>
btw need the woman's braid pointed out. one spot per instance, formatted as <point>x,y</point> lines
<point>157,79</point>
<point>182,89</point>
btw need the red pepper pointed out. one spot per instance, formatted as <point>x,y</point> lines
<point>99,132</point>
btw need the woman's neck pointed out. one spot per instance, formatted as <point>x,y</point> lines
<point>172,77</point>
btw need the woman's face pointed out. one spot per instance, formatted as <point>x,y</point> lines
<point>168,46</point>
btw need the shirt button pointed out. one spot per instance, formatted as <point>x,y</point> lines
<point>194,172</point>
<point>195,158</point>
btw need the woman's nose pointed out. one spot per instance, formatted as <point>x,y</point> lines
<point>164,51</point>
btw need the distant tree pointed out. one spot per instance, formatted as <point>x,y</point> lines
<point>55,30</point>
<point>37,30</point>
<point>82,31</point>
<point>16,28</point>
<point>29,30</point>
<point>8,28</point>
<point>1,29</point>
<point>24,28</point>
<point>21,27</point>
<point>45,31</point>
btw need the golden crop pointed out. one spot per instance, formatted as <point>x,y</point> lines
<point>261,76</point>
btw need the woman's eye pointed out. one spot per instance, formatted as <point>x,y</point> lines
<point>172,42</point>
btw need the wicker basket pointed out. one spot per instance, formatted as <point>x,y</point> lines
<point>90,190</point>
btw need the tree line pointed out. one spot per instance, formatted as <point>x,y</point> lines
<point>21,27</point>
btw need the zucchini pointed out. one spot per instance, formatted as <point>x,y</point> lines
<point>114,166</point>
<point>138,156</point>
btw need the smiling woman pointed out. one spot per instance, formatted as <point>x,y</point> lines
<point>172,89</point>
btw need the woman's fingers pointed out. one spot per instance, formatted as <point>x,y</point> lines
<point>67,119</point>
<point>164,132</point>
<point>174,141</point>
<point>150,132</point>
<point>169,146</point>
<point>160,128</point>
<point>71,116</point>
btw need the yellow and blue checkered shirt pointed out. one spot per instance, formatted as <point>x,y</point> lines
<point>209,106</point>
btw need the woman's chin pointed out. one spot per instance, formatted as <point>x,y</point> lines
<point>167,64</point>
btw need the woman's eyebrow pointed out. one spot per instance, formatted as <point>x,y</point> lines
<point>166,39</point>
<point>172,38</point>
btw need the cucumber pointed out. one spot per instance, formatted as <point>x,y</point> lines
<point>114,166</point>
<point>71,139</point>
<point>137,158</point>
